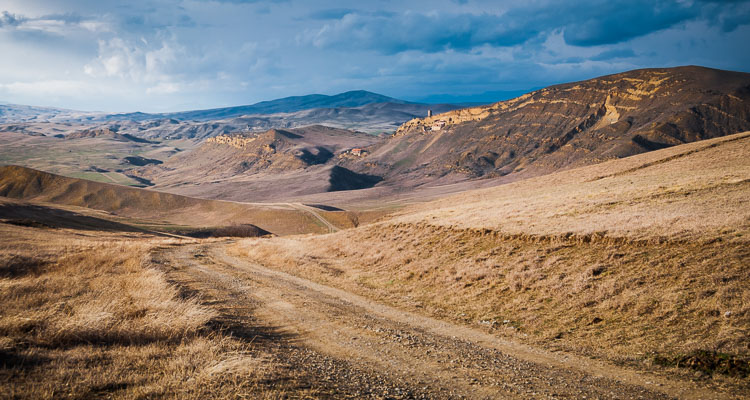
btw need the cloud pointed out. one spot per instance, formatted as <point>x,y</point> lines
<point>433,32</point>
<point>614,22</point>
<point>140,62</point>
<point>602,23</point>
<point>8,19</point>
<point>614,54</point>
<point>44,88</point>
<point>330,13</point>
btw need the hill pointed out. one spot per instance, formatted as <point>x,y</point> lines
<point>549,130</point>
<point>566,126</point>
<point>641,260</point>
<point>104,133</point>
<point>275,164</point>
<point>151,207</point>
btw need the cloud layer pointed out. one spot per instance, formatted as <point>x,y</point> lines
<point>162,55</point>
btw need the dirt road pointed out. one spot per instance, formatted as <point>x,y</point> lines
<point>346,346</point>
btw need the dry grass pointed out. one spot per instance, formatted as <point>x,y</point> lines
<point>602,298</point>
<point>41,187</point>
<point>686,192</point>
<point>650,262</point>
<point>87,316</point>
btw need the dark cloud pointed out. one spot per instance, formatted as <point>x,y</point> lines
<point>616,22</point>
<point>424,32</point>
<point>614,54</point>
<point>331,13</point>
<point>590,24</point>
<point>8,19</point>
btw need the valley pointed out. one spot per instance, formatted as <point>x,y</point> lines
<point>585,240</point>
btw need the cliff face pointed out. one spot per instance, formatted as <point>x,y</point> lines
<point>571,125</point>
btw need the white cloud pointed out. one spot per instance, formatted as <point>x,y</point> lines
<point>138,61</point>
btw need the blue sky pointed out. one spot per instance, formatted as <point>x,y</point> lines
<point>169,55</point>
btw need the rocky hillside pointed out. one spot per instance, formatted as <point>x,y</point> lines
<point>302,160</point>
<point>568,125</point>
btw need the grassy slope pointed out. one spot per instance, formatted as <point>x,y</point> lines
<point>28,184</point>
<point>631,260</point>
<point>87,314</point>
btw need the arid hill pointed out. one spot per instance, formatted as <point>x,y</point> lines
<point>268,165</point>
<point>642,260</point>
<point>566,126</point>
<point>549,130</point>
<point>146,205</point>
<point>107,133</point>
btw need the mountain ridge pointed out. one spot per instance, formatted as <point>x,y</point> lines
<point>569,125</point>
<point>10,113</point>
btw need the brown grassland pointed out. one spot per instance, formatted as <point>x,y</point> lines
<point>642,261</point>
<point>88,314</point>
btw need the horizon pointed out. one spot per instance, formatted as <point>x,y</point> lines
<point>180,55</point>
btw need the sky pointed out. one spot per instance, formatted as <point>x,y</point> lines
<point>172,55</point>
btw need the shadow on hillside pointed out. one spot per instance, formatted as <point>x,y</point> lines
<point>46,217</point>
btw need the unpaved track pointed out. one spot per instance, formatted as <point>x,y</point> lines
<point>331,228</point>
<point>345,346</point>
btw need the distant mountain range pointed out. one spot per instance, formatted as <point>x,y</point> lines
<point>360,110</point>
<point>555,128</point>
<point>12,113</point>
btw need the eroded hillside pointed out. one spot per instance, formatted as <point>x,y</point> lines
<point>272,165</point>
<point>568,125</point>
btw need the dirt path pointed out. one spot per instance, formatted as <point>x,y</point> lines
<point>311,210</point>
<point>346,346</point>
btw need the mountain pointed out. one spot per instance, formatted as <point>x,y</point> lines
<point>354,98</point>
<point>359,110</point>
<point>11,113</point>
<point>566,126</point>
<point>555,128</point>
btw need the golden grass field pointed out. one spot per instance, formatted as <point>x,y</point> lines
<point>640,261</point>
<point>88,314</point>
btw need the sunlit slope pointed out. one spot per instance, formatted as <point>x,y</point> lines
<point>28,184</point>
<point>568,126</point>
<point>642,260</point>
<point>683,192</point>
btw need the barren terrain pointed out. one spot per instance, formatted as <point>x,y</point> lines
<point>621,280</point>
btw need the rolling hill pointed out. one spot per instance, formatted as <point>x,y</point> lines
<point>566,126</point>
<point>549,130</point>
<point>270,165</point>
<point>151,207</point>
<point>641,260</point>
